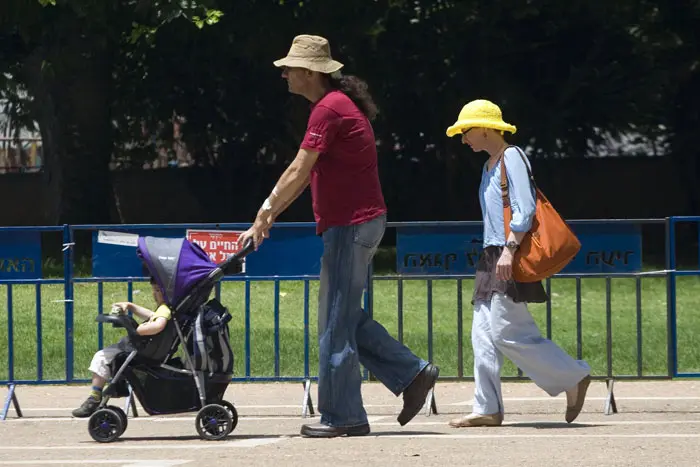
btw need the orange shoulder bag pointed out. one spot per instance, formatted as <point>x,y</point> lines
<point>549,245</point>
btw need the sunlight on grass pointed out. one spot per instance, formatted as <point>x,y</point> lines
<point>443,348</point>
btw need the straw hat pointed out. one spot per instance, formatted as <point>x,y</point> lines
<point>312,53</point>
<point>480,114</point>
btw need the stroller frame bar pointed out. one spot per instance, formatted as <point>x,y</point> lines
<point>198,376</point>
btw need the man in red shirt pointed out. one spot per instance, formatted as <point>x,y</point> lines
<point>338,158</point>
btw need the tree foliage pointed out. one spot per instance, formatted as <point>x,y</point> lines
<point>65,53</point>
<point>108,80</point>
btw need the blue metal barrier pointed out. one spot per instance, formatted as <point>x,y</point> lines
<point>18,279</point>
<point>155,229</point>
<point>671,262</point>
<point>38,282</point>
<point>69,281</point>
<point>608,277</point>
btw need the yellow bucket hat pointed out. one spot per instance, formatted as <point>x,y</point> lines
<point>480,113</point>
<point>312,53</point>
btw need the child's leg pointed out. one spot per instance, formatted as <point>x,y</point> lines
<point>98,383</point>
<point>100,368</point>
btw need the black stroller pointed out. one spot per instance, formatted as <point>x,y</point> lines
<point>163,383</point>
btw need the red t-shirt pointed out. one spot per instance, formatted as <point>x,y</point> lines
<point>345,187</point>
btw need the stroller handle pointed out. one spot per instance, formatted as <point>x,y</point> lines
<point>121,321</point>
<point>232,262</point>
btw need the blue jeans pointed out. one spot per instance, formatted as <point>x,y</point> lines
<point>347,336</point>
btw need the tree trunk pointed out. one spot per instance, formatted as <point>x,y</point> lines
<point>71,85</point>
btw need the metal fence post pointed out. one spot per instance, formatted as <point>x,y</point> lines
<point>671,296</point>
<point>370,290</point>
<point>307,406</point>
<point>11,397</point>
<point>369,307</point>
<point>68,297</point>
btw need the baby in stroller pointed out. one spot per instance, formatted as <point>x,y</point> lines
<point>183,277</point>
<point>100,366</point>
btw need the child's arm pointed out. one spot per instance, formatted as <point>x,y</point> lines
<point>139,311</point>
<point>150,328</point>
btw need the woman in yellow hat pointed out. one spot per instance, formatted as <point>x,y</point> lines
<point>502,324</point>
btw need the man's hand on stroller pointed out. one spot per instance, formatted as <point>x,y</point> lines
<point>259,231</point>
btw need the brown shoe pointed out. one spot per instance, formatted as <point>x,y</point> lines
<point>476,419</point>
<point>416,392</point>
<point>572,411</point>
<point>319,430</point>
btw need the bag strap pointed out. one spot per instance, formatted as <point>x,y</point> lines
<point>504,182</point>
<point>504,176</point>
<point>527,166</point>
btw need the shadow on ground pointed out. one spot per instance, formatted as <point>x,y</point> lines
<point>197,438</point>
<point>552,425</point>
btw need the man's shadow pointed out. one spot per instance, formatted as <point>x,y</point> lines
<point>405,433</point>
<point>230,437</point>
<point>551,425</point>
<point>481,430</point>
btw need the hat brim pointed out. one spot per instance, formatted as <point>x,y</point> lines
<point>322,66</point>
<point>462,125</point>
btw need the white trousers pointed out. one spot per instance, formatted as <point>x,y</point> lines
<point>504,327</point>
<point>102,359</point>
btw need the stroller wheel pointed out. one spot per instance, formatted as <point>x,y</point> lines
<point>105,425</point>
<point>233,412</point>
<point>122,415</point>
<point>213,422</point>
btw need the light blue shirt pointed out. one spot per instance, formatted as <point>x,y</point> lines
<point>521,194</point>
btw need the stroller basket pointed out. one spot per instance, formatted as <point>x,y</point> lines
<point>165,390</point>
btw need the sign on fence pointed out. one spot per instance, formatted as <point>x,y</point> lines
<point>20,255</point>
<point>438,250</point>
<point>607,248</point>
<point>442,250</point>
<point>219,244</point>
<point>114,252</point>
<point>290,251</point>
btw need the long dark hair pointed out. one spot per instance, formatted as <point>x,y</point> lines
<point>356,89</point>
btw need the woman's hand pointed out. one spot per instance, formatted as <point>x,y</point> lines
<point>504,267</point>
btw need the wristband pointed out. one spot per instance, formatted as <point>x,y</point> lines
<point>267,206</point>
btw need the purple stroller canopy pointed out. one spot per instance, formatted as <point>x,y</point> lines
<point>176,264</point>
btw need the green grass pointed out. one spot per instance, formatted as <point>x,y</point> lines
<point>415,321</point>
